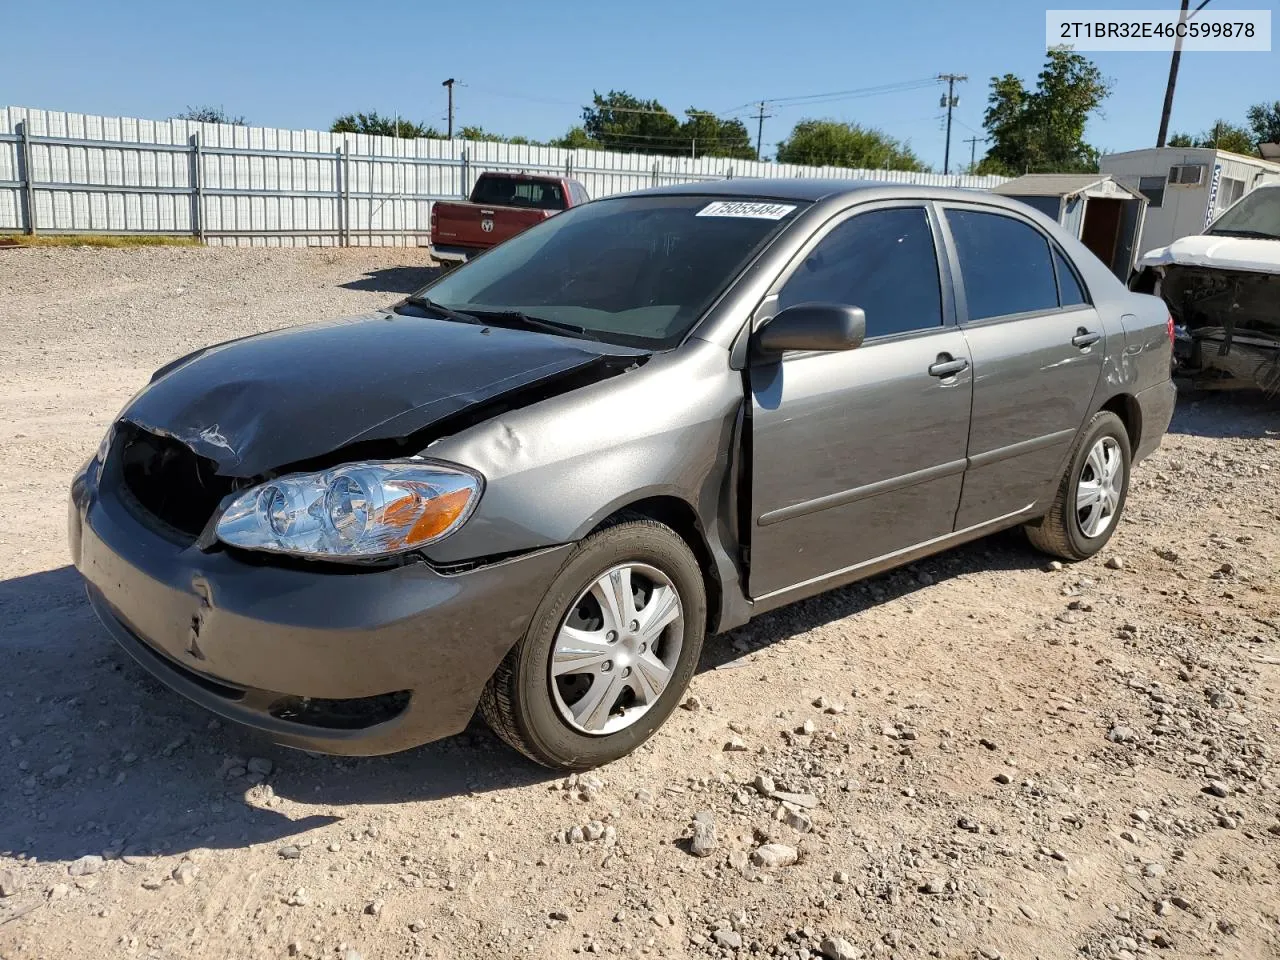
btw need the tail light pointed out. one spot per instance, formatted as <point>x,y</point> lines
<point>1169,325</point>
<point>433,233</point>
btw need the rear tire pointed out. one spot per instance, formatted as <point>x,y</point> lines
<point>1078,525</point>
<point>538,700</point>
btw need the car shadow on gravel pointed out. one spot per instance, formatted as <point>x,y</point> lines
<point>1008,550</point>
<point>102,756</point>
<point>395,279</point>
<point>1243,413</point>
<point>99,757</point>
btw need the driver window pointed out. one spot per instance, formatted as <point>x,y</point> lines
<point>883,261</point>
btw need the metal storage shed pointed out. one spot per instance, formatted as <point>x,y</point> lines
<point>1105,215</point>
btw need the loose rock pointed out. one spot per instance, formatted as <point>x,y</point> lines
<point>838,948</point>
<point>771,856</point>
<point>10,883</point>
<point>86,865</point>
<point>703,843</point>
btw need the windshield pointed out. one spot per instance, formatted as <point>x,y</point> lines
<point>635,270</point>
<point>1256,215</point>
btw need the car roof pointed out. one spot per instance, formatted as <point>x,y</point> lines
<point>811,189</point>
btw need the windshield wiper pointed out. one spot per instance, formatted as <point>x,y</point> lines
<point>1259,234</point>
<point>438,308</point>
<point>535,323</point>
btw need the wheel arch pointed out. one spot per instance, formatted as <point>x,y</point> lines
<point>1126,407</point>
<point>681,517</point>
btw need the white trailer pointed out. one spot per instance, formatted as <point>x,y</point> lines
<point>1186,187</point>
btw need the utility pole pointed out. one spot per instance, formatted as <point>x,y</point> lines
<point>760,119</point>
<point>1183,17</point>
<point>949,100</point>
<point>973,150</point>
<point>449,83</point>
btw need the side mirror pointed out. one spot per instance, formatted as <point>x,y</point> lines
<point>813,326</point>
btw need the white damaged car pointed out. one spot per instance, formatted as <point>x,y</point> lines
<point>1223,290</point>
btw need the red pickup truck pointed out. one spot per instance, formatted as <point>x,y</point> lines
<point>501,205</point>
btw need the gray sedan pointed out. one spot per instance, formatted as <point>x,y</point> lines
<point>539,483</point>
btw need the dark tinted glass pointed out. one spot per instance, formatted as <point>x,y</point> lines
<point>511,192</point>
<point>1069,290</point>
<point>1004,263</point>
<point>883,262</point>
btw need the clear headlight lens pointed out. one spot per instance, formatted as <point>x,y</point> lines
<point>357,510</point>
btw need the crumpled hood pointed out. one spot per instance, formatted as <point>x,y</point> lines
<point>263,402</point>
<point>1225,253</point>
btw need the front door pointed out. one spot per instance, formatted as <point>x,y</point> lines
<point>859,454</point>
<point>1037,346</point>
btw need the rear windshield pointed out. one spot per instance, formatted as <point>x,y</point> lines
<point>513,192</point>
<point>638,271</point>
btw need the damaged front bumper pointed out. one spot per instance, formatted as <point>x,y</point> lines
<point>323,658</point>
<point>1227,326</point>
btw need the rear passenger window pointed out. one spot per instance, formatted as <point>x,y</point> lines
<point>882,261</point>
<point>1005,265</point>
<point>1070,293</point>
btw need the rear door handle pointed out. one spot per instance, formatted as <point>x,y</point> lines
<point>946,367</point>
<point>1085,338</point>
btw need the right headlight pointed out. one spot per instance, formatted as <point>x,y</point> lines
<point>359,510</point>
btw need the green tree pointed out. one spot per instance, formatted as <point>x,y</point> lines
<point>575,138</point>
<point>1042,130</point>
<point>1264,122</point>
<point>619,121</point>
<point>1181,140</point>
<point>1227,136</point>
<point>480,133</point>
<point>835,144</point>
<point>208,114</point>
<point>375,124</point>
<point>709,136</point>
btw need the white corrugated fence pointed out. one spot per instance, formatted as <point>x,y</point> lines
<point>78,173</point>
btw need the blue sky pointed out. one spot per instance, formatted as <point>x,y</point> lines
<point>527,67</point>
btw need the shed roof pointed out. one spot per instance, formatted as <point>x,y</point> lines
<point>1063,184</point>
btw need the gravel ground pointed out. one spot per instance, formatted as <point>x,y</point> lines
<point>979,756</point>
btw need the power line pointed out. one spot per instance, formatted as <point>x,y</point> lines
<point>973,149</point>
<point>801,99</point>
<point>950,100</point>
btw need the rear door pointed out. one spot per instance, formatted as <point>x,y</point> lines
<point>1037,346</point>
<point>858,454</point>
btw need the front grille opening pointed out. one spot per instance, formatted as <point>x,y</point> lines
<point>170,482</point>
<point>353,714</point>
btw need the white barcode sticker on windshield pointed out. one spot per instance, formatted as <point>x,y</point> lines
<point>746,208</point>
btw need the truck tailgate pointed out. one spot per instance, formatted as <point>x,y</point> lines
<point>476,225</point>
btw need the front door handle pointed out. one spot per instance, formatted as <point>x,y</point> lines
<point>1085,338</point>
<point>946,366</point>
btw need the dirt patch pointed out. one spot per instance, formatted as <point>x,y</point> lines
<point>974,756</point>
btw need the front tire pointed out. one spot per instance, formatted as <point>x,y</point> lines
<point>1092,494</point>
<point>609,652</point>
